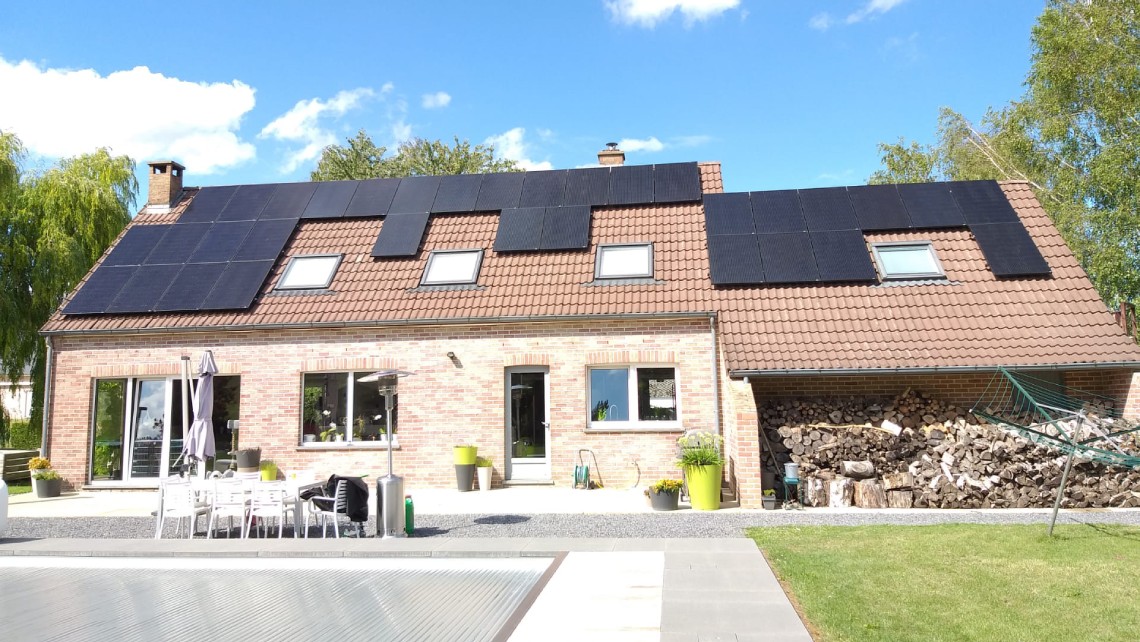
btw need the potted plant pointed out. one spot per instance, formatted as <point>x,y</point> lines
<point>47,482</point>
<point>703,463</point>
<point>768,499</point>
<point>268,471</point>
<point>664,493</point>
<point>465,455</point>
<point>483,471</point>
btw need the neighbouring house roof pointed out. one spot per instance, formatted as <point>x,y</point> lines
<point>972,319</point>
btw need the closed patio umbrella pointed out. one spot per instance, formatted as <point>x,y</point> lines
<point>199,442</point>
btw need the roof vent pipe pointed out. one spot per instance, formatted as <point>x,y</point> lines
<point>611,155</point>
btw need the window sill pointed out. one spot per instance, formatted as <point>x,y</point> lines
<point>349,445</point>
<point>669,426</point>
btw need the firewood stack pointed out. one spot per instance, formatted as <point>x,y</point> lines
<point>917,451</point>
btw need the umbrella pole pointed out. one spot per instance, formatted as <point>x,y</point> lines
<point>185,400</point>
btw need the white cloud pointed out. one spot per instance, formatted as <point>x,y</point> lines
<point>651,144</point>
<point>146,115</point>
<point>821,21</point>
<point>511,144</point>
<point>437,100</point>
<point>872,8</point>
<point>691,141</point>
<point>648,13</point>
<point>304,124</point>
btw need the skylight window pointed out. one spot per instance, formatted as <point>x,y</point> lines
<point>309,272</point>
<point>625,261</point>
<point>452,267</point>
<point>907,260</point>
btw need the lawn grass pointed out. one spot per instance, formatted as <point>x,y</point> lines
<point>961,582</point>
<point>19,487</point>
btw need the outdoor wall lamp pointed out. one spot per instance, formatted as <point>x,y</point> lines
<point>454,359</point>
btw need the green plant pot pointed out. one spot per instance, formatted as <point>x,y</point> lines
<point>268,471</point>
<point>704,486</point>
<point>465,455</point>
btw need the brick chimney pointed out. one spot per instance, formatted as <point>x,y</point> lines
<point>165,184</point>
<point>611,155</point>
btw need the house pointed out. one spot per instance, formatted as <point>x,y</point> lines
<point>547,314</point>
<point>17,396</point>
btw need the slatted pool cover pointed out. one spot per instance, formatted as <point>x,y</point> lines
<point>242,598</point>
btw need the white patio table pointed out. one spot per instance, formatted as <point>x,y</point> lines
<point>293,488</point>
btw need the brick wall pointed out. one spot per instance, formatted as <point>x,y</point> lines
<point>445,403</point>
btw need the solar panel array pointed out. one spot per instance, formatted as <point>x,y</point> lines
<point>816,235</point>
<point>528,229</point>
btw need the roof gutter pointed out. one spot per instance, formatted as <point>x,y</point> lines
<point>333,325</point>
<point>784,372</point>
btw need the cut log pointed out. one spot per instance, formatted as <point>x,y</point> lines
<point>870,494</point>
<point>814,491</point>
<point>840,492</point>
<point>900,498</point>
<point>898,481</point>
<point>857,469</point>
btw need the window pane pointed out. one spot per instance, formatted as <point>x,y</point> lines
<point>657,394</point>
<point>370,423</point>
<point>452,267</point>
<point>625,261</point>
<point>107,446</point>
<point>609,394</point>
<point>909,259</point>
<point>310,272</point>
<point>150,422</point>
<point>326,402</point>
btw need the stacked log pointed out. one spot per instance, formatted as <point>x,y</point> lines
<point>915,450</point>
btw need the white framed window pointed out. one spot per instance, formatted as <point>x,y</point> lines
<point>313,272</point>
<point>452,267</point>
<point>337,409</point>
<point>628,261</point>
<point>633,396</point>
<point>907,260</point>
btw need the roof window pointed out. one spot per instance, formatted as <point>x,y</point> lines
<point>630,261</point>
<point>452,267</point>
<point>907,260</point>
<point>313,272</point>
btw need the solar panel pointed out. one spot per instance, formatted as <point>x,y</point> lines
<point>178,243</point>
<point>239,284</point>
<point>728,214</point>
<point>543,189</point>
<point>289,200</point>
<point>566,228</point>
<point>400,235</point>
<point>207,204</point>
<point>330,200</point>
<point>777,211</point>
<point>189,289</point>
<point>878,207</point>
<point>734,259</point>
<point>631,185</point>
<point>788,258</point>
<point>221,242</point>
<point>372,198</point>
<point>1009,249</point>
<point>982,202</point>
<point>676,183</point>
<point>842,255</point>
<point>587,186</point>
<point>828,208</point>
<point>144,289</point>
<point>520,229</point>
<point>266,240</point>
<point>930,205</point>
<point>247,202</point>
<point>499,191</point>
<point>415,195</point>
<point>457,193</point>
<point>99,290</point>
<point>136,244</point>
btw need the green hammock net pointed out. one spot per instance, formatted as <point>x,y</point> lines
<point>1083,424</point>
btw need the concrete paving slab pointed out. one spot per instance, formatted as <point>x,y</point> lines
<point>546,545</point>
<point>706,560</point>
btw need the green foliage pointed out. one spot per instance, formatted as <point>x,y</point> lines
<point>361,158</point>
<point>1074,135</point>
<point>601,410</point>
<point>483,462</point>
<point>22,435</point>
<point>700,448</point>
<point>666,486</point>
<point>45,474</point>
<point>54,225</point>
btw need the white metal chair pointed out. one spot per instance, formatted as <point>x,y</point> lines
<point>326,508</point>
<point>268,501</point>
<point>179,501</point>
<point>229,501</point>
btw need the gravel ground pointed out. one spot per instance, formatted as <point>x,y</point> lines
<point>681,524</point>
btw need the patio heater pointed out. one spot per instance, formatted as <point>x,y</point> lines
<point>389,489</point>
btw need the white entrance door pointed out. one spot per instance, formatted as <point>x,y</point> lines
<point>528,423</point>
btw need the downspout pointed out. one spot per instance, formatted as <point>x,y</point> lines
<point>716,375</point>
<point>44,440</point>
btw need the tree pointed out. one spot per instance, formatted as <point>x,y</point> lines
<point>1074,135</point>
<point>54,225</point>
<point>362,159</point>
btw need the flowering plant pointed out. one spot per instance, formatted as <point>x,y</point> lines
<point>700,448</point>
<point>666,486</point>
<point>39,463</point>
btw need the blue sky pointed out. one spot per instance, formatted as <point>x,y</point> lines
<point>784,94</point>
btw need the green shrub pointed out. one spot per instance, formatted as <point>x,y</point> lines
<point>700,448</point>
<point>22,436</point>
